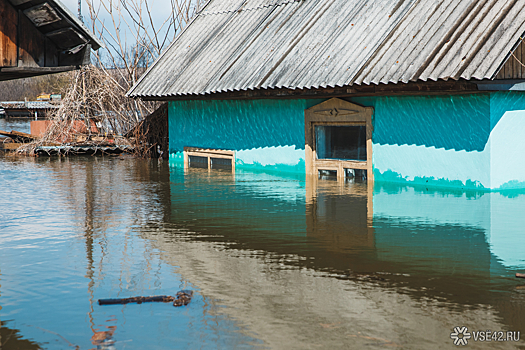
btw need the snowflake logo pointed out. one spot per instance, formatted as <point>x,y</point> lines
<point>460,336</point>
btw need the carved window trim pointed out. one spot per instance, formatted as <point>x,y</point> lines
<point>337,112</point>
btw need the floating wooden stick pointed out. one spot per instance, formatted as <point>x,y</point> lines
<point>520,275</point>
<point>138,300</point>
<point>182,298</point>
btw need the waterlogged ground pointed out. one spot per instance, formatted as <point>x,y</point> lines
<point>275,261</point>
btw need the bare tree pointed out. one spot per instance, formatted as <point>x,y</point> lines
<point>125,58</point>
<point>114,20</point>
<point>93,112</point>
<point>96,94</point>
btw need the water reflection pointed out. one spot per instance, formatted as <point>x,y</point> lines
<point>104,340</point>
<point>69,237</point>
<point>383,237</point>
<point>340,214</point>
<point>10,338</point>
<point>22,125</point>
<point>276,261</point>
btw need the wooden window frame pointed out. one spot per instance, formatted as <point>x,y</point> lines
<point>337,112</point>
<point>208,153</point>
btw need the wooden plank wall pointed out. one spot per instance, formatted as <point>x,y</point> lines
<point>32,44</point>
<point>51,56</point>
<point>155,129</point>
<point>35,49</point>
<point>8,20</point>
<point>512,69</point>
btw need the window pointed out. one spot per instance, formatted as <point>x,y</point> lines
<point>338,140</point>
<point>341,142</point>
<point>209,158</point>
<point>198,162</point>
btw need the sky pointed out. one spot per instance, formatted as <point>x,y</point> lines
<point>160,9</point>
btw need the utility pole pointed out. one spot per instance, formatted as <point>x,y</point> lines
<point>80,11</point>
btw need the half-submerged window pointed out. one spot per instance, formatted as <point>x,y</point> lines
<point>356,174</point>
<point>221,163</point>
<point>198,162</point>
<point>353,175</point>
<point>338,137</point>
<point>208,158</point>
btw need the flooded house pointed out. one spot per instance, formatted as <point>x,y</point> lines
<point>41,37</point>
<point>267,91</point>
<point>426,92</point>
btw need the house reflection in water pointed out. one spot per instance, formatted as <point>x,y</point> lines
<point>276,260</point>
<point>457,245</point>
<point>281,261</point>
<point>341,213</point>
<point>448,231</point>
<point>397,252</point>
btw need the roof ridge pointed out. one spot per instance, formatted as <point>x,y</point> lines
<point>260,7</point>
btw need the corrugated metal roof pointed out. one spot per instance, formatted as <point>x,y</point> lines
<point>29,105</point>
<point>249,44</point>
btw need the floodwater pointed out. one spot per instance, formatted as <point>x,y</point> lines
<point>15,124</point>
<point>275,261</point>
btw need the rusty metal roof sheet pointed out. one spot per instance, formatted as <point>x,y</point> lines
<point>250,44</point>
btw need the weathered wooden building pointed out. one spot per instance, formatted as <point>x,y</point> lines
<point>28,109</point>
<point>41,37</point>
<point>410,91</point>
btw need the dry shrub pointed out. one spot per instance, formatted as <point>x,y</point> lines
<point>94,97</point>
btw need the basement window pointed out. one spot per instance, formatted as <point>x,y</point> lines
<point>198,162</point>
<point>208,158</point>
<point>355,175</point>
<point>221,163</point>
<point>327,174</point>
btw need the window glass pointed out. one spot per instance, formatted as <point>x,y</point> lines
<point>341,142</point>
<point>221,163</point>
<point>198,162</point>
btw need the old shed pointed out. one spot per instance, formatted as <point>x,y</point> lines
<point>41,37</point>
<point>409,91</point>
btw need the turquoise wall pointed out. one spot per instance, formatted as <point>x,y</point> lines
<point>450,122</point>
<point>436,140</point>
<point>507,140</point>
<point>464,141</point>
<point>267,134</point>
